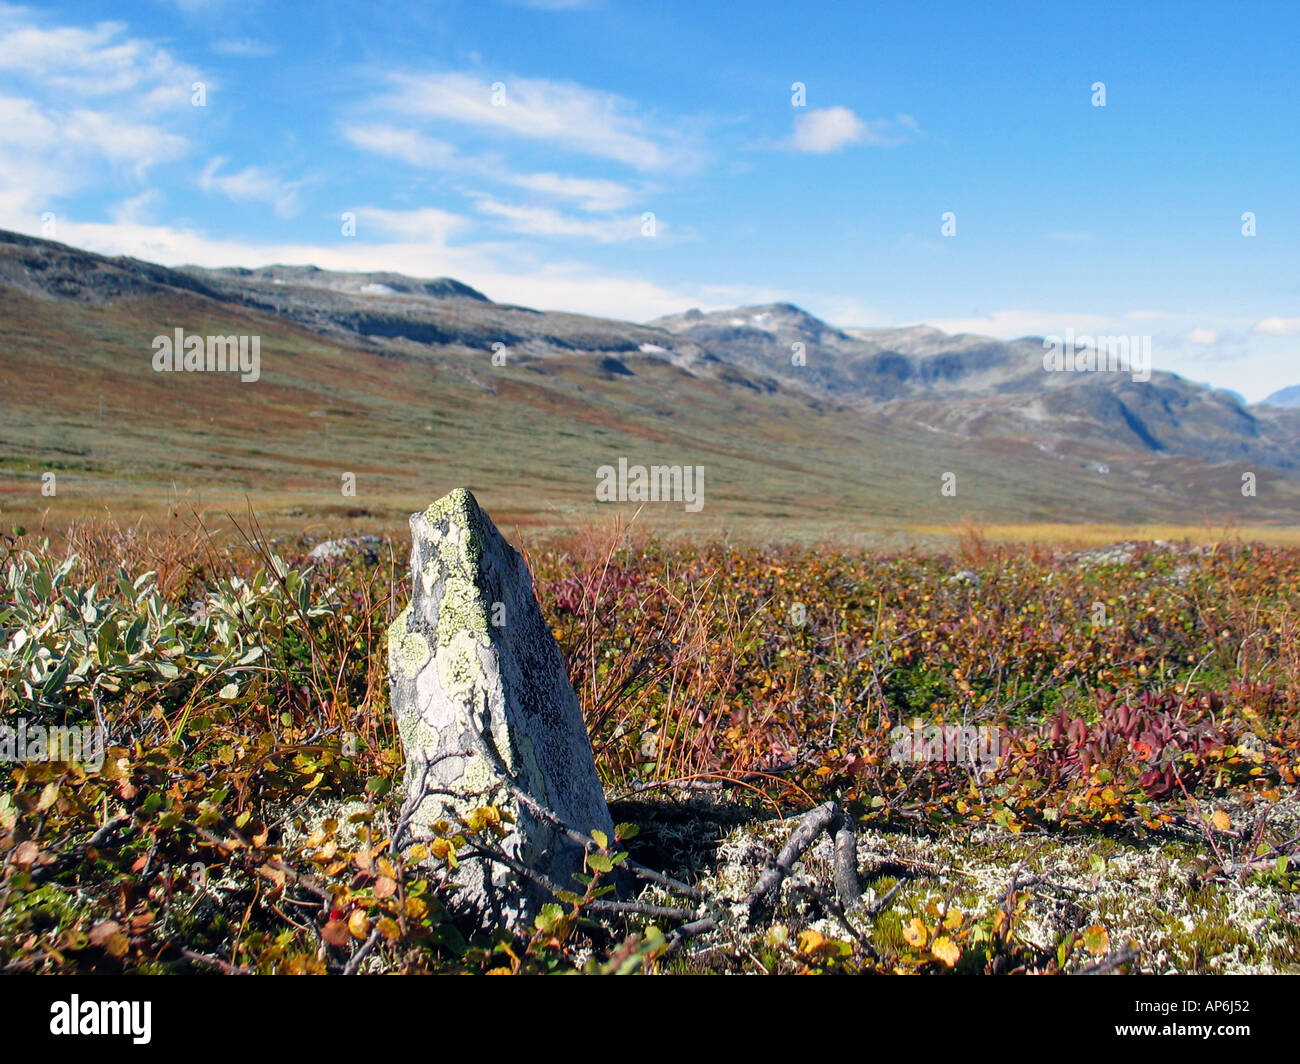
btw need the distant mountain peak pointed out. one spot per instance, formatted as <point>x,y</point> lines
<point>1287,397</point>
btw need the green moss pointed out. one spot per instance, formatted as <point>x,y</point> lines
<point>44,908</point>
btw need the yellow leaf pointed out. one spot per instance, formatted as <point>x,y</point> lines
<point>946,950</point>
<point>915,933</point>
<point>953,919</point>
<point>1221,820</point>
<point>809,940</point>
<point>359,924</point>
<point>1097,940</point>
<point>49,795</point>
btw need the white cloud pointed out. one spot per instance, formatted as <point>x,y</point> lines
<point>830,129</point>
<point>544,221</point>
<point>1204,337</point>
<point>565,114</point>
<point>407,145</point>
<point>120,141</point>
<point>253,184</point>
<point>826,130</point>
<point>1012,324</point>
<point>46,154</point>
<point>130,90</point>
<point>595,195</point>
<point>425,224</point>
<point>95,61</point>
<point>133,210</point>
<point>1278,327</point>
<point>244,48</point>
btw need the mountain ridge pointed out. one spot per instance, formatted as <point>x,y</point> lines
<point>388,366</point>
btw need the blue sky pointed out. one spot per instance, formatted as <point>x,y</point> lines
<point>1125,218</point>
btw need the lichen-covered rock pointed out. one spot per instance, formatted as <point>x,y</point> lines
<point>472,662</point>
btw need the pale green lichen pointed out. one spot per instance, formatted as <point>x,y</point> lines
<point>459,668</point>
<point>458,510</point>
<point>462,609</point>
<point>407,650</point>
<point>477,777</point>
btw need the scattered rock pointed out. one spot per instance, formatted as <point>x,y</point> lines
<point>1116,554</point>
<point>337,550</point>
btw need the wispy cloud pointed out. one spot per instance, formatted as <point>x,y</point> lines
<point>244,48</point>
<point>46,154</point>
<point>95,61</point>
<point>407,145</point>
<point>422,224</point>
<point>545,221</point>
<point>1011,324</point>
<point>567,115</point>
<point>253,184</point>
<point>129,96</point>
<point>591,194</point>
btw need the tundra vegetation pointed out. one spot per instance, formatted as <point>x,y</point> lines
<point>1141,814</point>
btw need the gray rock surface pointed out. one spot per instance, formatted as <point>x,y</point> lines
<point>337,550</point>
<point>474,672</point>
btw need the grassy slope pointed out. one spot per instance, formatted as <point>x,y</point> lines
<point>412,421</point>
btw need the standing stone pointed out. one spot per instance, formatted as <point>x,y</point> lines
<point>473,647</point>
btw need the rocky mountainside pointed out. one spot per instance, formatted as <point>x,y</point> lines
<point>389,306</point>
<point>978,387</point>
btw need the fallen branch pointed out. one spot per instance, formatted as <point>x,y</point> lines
<point>828,817</point>
<point>1110,963</point>
<point>40,873</point>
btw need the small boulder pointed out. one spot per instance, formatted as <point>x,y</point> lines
<point>337,550</point>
